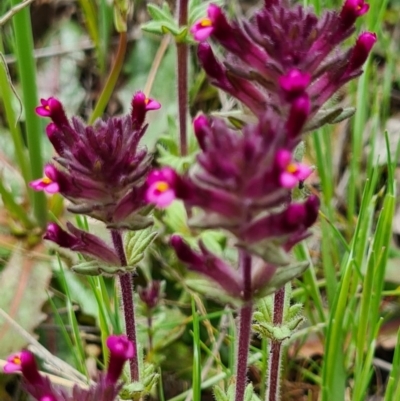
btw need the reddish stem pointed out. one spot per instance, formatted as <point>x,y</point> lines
<point>126,282</point>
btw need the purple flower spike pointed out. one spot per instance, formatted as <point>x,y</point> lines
<point>53,108</point>
<point>351,10</point>
<point>121,349</point>
<point>361,50</point>
<point>49,182</point>
<point>161,187</point>
<point>24,362</point>
<point>140,106</point>
<point>294,83</point>
<point>81,241</point>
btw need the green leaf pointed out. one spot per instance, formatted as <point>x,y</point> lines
<point>97,268</point>
<point>160,14</point>
<point>136,243</point>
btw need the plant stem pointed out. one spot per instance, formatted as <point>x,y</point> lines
<point>127,303</point>
<point>34,133</point>
<point>245,319</point>
<point>182,74</point>
<point>111,80</point>
<point>274,379</point>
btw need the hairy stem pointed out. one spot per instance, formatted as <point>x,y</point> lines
<point>182,75</point>
<point>275,359</point>
<point>127,303</point>
<point>245,319</point>
<point>111,80</point>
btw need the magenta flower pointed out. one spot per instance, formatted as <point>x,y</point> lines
<point>49,182</point>
<point>24,362</point>
<point>81,241</point>
<point>53,108</point>
<point>121,349</point>
<point>140,106</point>
<point>290,172</point>
<point>161,185</point>
<point>351,10</point>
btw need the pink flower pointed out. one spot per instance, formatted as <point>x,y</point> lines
<point>352,9</point>
<point>160,189</point>
<point>204,28</point>
<point>52,108</point>
<point>24,362</point>
<point>140,106</point>
<point>13,363</point>
<point>48,183</point>
<point>290,172</point>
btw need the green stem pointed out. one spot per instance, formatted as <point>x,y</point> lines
<point>111,80</point>
<point>34,132</point>
<point>7,95</point>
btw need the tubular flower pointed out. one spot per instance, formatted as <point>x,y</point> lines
<point>24,362</point>
<point>101,169</point>
<point>81,241</point>
<point>53,108</point>
<point>49,182</point>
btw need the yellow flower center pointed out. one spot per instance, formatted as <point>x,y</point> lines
<point>47,107</point>
<point>46,180</point>
<point>17,360</point>
<point>162,186</point>
<point>205,22</point>
<point>291,168</point>
<point>146,101</point>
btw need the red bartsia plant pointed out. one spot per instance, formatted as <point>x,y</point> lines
<point>106,388</point>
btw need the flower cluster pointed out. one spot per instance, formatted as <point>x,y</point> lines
<point>106,388</point>
<point>283,64</point>
<point>101,169</point>
<point>284,57</point>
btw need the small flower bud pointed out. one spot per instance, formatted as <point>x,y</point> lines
<point>294,83</point>
<point>151,294</point>
<point>361,50</point>
<point>200,125</point>
<point>121,349</point>
<point>298,115</point>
